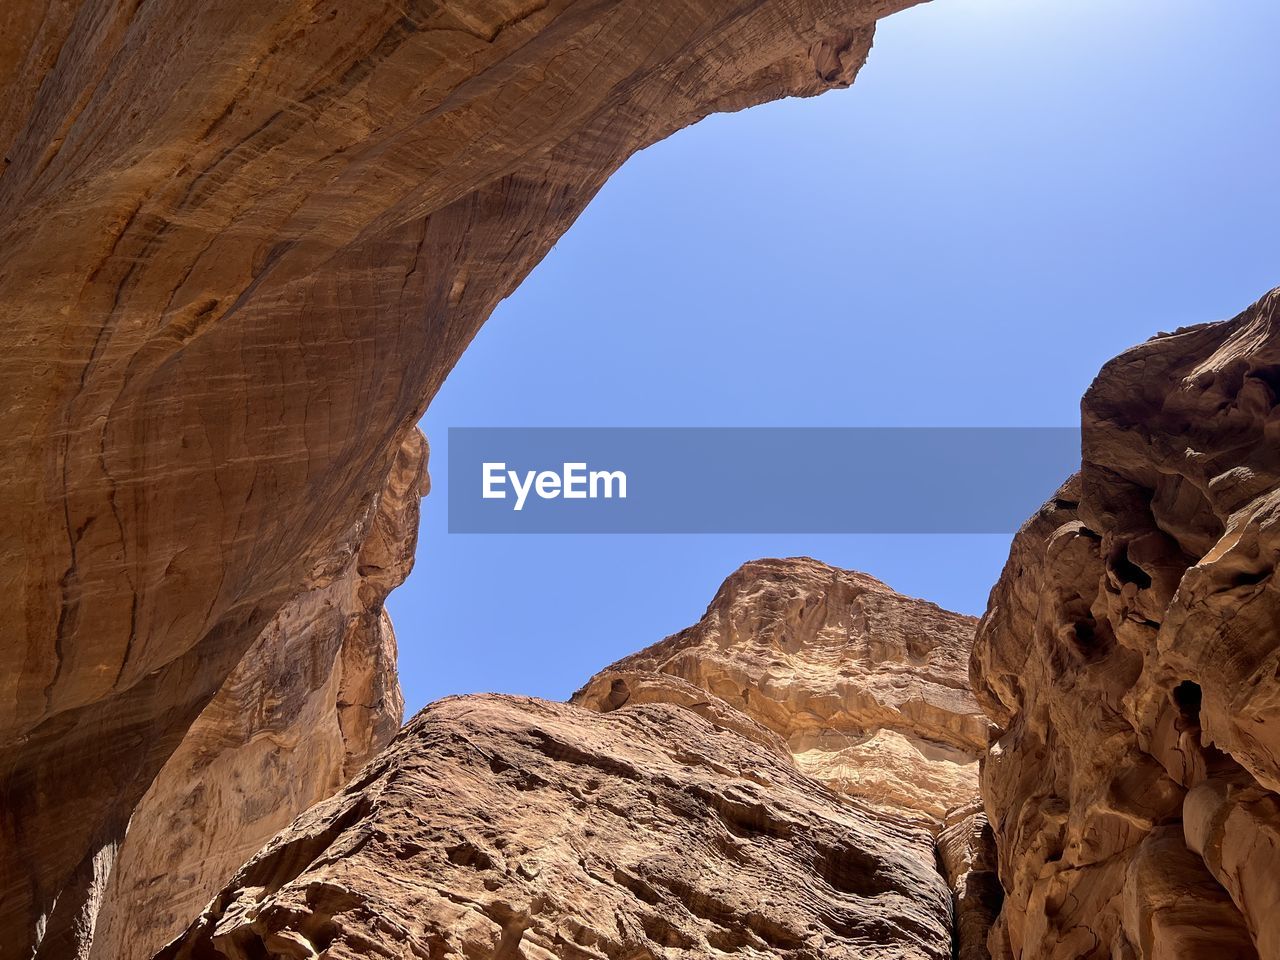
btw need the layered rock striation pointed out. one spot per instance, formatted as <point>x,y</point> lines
<point>865,688</point>
<point>967,857</point>
<point>1131,653</point>
<point>243,244</point>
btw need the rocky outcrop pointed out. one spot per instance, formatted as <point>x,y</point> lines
<point>507,827</point>
<point>867,689</point>
<point>243,245</point>
<point>860,687</point>
<point>311,702</point>
<point>674,817</point>
<point>1131,652</point>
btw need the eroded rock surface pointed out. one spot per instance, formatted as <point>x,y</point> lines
<point>1131,651</point>
<point>868,689</point>
<point>861,687</point>
<point>313,700</point>
<point>508,827</point>
<point>664,813</point>
<point>243,244</point>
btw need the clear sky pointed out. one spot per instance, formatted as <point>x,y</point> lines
<point>1013,192</point>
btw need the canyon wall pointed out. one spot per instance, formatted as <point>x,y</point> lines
<point>1131,654</point>
<point>764,782</point>
<point>311,702</point>
<point>243,245</point>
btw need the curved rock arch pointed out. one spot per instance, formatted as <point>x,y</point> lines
<point>244,244</point>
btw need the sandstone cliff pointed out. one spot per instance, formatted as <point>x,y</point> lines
<point>1131,652</point>
<point>691,819</point>
<point>243,244</point>
<point>311,702</point>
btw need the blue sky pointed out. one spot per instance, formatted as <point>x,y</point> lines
<point>1011,193</point>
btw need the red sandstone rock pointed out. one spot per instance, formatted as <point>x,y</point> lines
<point>310,703</point>
<point>676,824</point>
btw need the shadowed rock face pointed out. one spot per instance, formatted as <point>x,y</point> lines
<point>243,245</point>
<point>1130,652</point>
<point>867,689</point>
<point>508,827</point>
<point>310,703</point>
<point>967,856</point>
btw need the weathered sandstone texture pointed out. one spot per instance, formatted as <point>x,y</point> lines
<point>1131,653</point>
<point>508,827</point>
<point>242,246</point>
<point>863,688</point>
<point>674,817</point>
<point>312,701</point>
<point>867,689</point>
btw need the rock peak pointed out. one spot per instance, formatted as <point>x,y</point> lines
<point>867,687</point>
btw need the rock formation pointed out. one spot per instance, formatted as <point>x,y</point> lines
<point>311,702</point>
<point>868,689</point>
<point>1131,652</point>
<point>507,827</point>
<point>243,245</point>
<point>967,856</point>
<point>863,688</point>
<point>691,819</point>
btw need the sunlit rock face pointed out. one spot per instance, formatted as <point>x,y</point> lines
<point>508,827</point>
<point>867,689</point>
<point>312,700</point>
<point>862,688</point>
<point>1131,652</point>
<point>243,245</point>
